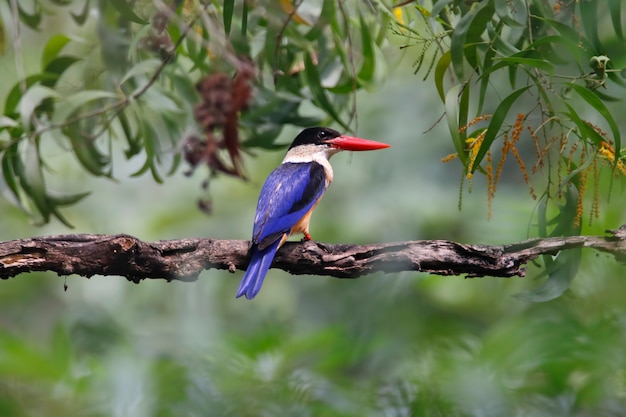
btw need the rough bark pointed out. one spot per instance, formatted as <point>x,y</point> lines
<point>183,259</point>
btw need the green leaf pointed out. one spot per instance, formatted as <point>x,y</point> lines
<point>77,102</point>
<point>327,16</point>
<point>151,126</point>
<point>53,47</point>
<point>615,8</point>
<point>125,9</point>
<point>439,6</point>
<point>81,17</point>
<point>589,17</point>
<point>440,72</point>
<point>562,269</point>
<point>264,137</point>
<point>56,67</point>
<point>244,19</point>
<point>467,34</point>
<point>562,272</point>
<point>496,122</point>
<point>314,83</point>
<point>86,151</point>
<point>484,78</point>
<point>452,117</point>
<point>525,57</point>
<point>8,171</point>
<point>503,10</point>
<point>15,94</point>
<point>570,33</point>
<point>133,140</point>
<point>597,104</point>
<point>498,43</point>
<point>33,181</point>
<point>148,66</point>
<point>67,199</point>
<point>585,130</point>
<point>31,20</point>
<point>7,122</point>
<point>32,99</point>
<point>528,62</point>
<point>228,8</point>
<point>366,73</point>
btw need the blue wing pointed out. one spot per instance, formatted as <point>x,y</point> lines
<point>290,191</point>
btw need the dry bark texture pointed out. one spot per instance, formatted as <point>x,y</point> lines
<point>183,259</point>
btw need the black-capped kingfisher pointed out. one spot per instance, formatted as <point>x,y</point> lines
<point>290,194</point>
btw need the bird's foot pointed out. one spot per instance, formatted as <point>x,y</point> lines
<point>306,237</point>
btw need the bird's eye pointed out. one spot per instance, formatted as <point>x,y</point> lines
<point>321,135</point>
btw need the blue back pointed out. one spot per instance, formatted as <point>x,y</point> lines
<point>289,192</point>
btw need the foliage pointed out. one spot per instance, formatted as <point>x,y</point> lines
<point>150,61</point>
<point>553,63</point>
<point>548,58</point>
<point>161,85</point>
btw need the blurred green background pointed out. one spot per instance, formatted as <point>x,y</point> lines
<point>407,344</point>
<point>393,345</point>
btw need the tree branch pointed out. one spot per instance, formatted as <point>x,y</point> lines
<point>184,259</point>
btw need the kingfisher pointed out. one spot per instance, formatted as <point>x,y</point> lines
<point>290,194</point>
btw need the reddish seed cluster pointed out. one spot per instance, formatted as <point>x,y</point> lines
<point>222,98</point>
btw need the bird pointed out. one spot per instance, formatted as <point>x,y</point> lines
<point>289,195</point>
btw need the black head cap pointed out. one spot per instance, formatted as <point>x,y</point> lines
<point>314,136</point>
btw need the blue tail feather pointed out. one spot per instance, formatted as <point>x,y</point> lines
<point>257,269</point>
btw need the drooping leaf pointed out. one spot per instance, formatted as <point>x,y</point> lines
<point>67,199</point>
<point>148,66</point>
<point>227,14</point>
<point>599,106</point>
<point>561,273</point>
<point>366,73</point>
<point>452,105</point>
<point>51,50</point>
<point>528,62</point>
<point>81,17</point>
<point>31,20</point>
<point>569,32</point>
<point>56,67</point>
<point>319,95</point>
<point>496,122</point>
<point>244,19</point>
<point>133,140</point>
<point>15,94</point>
<point>76,103</point>
<point>87,152</point>
<point>440,72</point>
<point>467,34</point>
<point>484,78</point>
<point>439,7</point>
<point>150,132</point>
<point>589,17</point>
<point>562,269</point>
<point>585,130</point>
<point>11,177</point>
<point>615,9</point>
<point>7,122</point>
<point>33,181</point>
<point>498,43</point>
<point>512,13</point>
<point>33,98</point>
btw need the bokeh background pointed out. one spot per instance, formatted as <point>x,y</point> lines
<point>406,344</point>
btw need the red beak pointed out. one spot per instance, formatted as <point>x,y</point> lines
<point>350,143</point>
